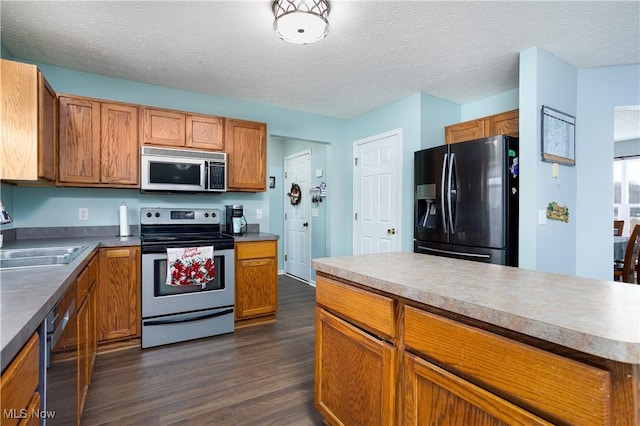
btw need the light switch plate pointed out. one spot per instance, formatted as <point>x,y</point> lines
<point>318,172</point>
<point>542,217</point>
<point>259,214</point>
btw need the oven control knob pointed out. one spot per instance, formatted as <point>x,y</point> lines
<point>213,214</point>
<point>148,214</point>
<point>206,215</point>
<point>157,214</point>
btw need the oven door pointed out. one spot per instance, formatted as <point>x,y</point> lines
<point>173,173</point>
<point>158,298</point>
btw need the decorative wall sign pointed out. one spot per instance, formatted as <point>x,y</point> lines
<point>295,194</point>
<point>558,212</point>
<point>558,137</point>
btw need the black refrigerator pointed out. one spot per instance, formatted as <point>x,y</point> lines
<point>466,200</point>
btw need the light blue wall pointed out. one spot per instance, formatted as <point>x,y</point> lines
<point>600,91</point>
<point>435,114</point>
<point>550,247</point>
<point>505,101</point>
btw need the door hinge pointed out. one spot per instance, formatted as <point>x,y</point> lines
<point>356,160</point>
<point>356,216</point>
<point>285,257</point>
<point>285,175</point>
<point>285,216</point>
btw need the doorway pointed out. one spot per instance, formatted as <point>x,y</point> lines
<point>297,244</point>
<point>376,193</point>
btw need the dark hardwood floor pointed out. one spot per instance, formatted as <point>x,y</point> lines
<point>260,375</point>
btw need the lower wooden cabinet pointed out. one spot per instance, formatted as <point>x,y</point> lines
<point>434,396</point>
<point>86,329</point>
<point>442,369</point>
<point>355,374</point>
<point>119,294</point>
<point>256,281</point>
<point>19,386</point>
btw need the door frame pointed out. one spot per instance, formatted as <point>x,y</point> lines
<point>306,204</point>
<point>396,132</point>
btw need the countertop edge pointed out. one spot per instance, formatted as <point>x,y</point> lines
<point>615,350</point>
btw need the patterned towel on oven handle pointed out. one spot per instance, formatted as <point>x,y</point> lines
<point>190,266</point>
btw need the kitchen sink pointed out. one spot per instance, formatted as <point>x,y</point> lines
<point>38,256</point>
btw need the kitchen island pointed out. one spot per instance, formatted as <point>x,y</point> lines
<point>414,339</point>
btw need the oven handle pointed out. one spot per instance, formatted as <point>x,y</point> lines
<point>178,321</point>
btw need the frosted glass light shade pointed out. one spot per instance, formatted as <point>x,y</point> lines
<point>301,21</point>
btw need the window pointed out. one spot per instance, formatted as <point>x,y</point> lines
<point>626,192</point>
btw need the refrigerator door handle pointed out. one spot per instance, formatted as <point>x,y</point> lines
<point>450,189</point>
<point>443,192</point>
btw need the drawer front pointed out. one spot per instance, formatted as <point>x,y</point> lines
<point>571,392</point>
<point>370,311</point>
<point>256,250</point>
<point>20,381</point>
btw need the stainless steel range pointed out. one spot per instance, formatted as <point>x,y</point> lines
<point>187,287</point>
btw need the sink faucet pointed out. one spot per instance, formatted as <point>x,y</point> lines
<point>4,215</point>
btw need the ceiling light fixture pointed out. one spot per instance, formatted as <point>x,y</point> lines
<point>301,21</point>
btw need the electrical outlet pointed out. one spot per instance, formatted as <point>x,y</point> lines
<point>83,213</point>
<point>259,214</point>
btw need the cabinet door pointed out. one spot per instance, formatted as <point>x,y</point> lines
<point>83,355</point>
<point>466,131</point>
<point>354,374</point>
<point>246,144</point>
<point>79,151</point>
<point>47,130</point>
<point>434,396</point>
<point>119,293</point>
<point>205,132</point>
<point>160,127</point>
<point>506,123</point>
<point>19,382</point>
<point>256,287</point>
<point>18,143</point>
<point>120,153</point>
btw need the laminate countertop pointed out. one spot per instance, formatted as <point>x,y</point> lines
<point>28,294</point>
<point>601,318</point>
<point>255,236</point>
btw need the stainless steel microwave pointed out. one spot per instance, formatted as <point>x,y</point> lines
<point>182,170</point>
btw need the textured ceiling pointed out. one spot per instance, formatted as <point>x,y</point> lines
<point>376,52</point>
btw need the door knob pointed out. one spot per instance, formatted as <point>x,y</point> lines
<point>391,231</point>
<point>305,224</point>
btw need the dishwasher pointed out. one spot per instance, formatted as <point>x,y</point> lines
<point>60,375</point>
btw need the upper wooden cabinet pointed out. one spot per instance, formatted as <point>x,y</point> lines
<point>98,143</point>
<point>29,124</point>
<point>174,128</point>
<point>246,145</point>
<point>506,123</point>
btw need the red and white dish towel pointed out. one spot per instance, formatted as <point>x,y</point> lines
<point>190,266</point>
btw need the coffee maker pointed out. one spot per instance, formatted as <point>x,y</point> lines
<point>235,221</point>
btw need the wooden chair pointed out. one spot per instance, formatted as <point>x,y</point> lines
<point>625,271</point>
<point>618,225</point>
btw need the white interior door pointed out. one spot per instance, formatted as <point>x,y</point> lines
<point>377,193</point>
<point>297,255</point>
